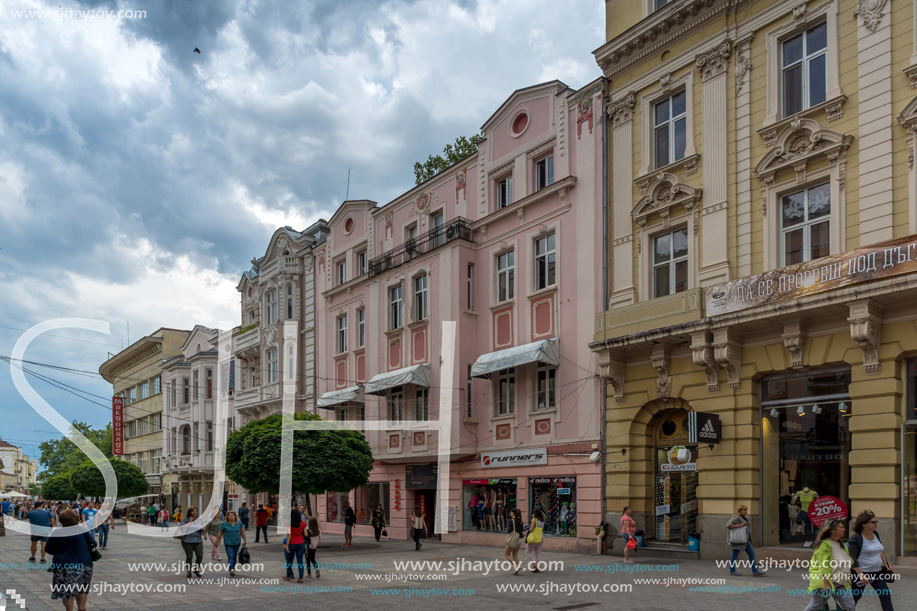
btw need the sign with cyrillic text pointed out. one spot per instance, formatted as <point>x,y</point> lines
<point>117,426</point>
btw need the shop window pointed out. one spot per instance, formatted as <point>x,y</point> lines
<point>367,498</point>
<point>555,497</point>
<point>336,502</point>
<point>487,503</point>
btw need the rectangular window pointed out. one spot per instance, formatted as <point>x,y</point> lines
<point>804,67</point>
<point>174,393</point>
<point>342,334</point>
<point>273,373</point>
<point>156,458</point>
<point>410,242</point>
<point>420,297</point>
<point>544,172</point>
<point>289,302</point>
<point>545,259</point>
<point>436,225</point>
<point>395,303</point>
<point>144,390</point>
<point>174,446</point>
<point>470,276</point>
<point>251,317</point>
<point>469,396</point>
<point>361,327</point>
<point>155,423</point>
<point>132,428</point>
<point>670,129</point>
<point>157,385</point>
<point>504,192</point>
<point>477,492</point>
<point>342,272</point>
<point>186,391</point>
<point>209,383</point>
<point>805,224</point>
<point>252,378</point>
<point>361,263</point>
<point>396,406</point>
<point>421,408</point>
<point>546,384</point>
<point>506,276</point>
<point>670,263</point>
<point>197,382</point>
<point>209,436</point>
<point>341,415</point>
<point>143,427</point>
<point>197,437</point>
<point>270,302</point>
<point>132,395</point>
<point>506,392</point>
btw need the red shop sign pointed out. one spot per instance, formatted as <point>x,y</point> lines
<point>826,508</point>
<point>117,426</point>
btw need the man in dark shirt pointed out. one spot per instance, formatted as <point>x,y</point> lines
<point>350,518</point>
<point>243,515</point>
<point>261,523</point>
<point>39,517</point>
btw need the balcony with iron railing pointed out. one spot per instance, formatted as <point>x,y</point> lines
<point>457,229</point>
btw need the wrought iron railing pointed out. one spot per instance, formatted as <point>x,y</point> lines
<point>458,229</point>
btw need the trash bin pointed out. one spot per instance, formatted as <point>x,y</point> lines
<point>694,542</point>
<point>639,537</point>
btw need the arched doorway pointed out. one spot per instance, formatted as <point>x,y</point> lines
<point>674,476</point>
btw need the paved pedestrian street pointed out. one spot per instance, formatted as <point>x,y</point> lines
<point>370,575</point>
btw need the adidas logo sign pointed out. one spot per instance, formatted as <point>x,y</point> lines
<point>707,431</point>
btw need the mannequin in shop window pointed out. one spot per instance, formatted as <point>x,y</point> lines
<point>562,528</point>
<point>489,508</point>
<point>500,508</point>
<point>805,498</point>
<point>482,494</point>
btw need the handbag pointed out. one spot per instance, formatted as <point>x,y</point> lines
<point>93,548</point>
<point>413,532</point>
<point>737,536</point>
<point>512,539</point>
<point>536,535</point>
<point>244,556</point>
<point>384,533</point>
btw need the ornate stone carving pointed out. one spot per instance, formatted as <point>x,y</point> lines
<point>661,363</point>
<point>269,337</point>
<point>835,111</point>
<point>727,350</point>
<point>866,330</point>
<point>911,72</point>
<point>702,355</point>
<point>798,144</point>
<point>871,12</point>
<point>714,62</point>
<point>799,13</point>
<point>666,81</point>
<point>613,369</point>
<point>794,338</point>
<point>621,111</point>
<point>663,192</point>
<point>743,65</point>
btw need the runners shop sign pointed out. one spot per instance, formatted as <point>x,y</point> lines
<point>884,260</point>
<point>514,458</point>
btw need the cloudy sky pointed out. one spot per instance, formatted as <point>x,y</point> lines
<point>138,179</point>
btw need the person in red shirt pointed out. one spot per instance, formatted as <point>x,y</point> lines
<point>261,516</point>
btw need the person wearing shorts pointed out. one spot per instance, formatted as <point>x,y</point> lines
<point>350,518</point>
<point>43,518</point>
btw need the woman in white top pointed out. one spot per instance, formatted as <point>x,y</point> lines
<point>869,559</point>
<point>418,525</point>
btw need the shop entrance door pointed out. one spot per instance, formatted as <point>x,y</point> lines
<point>426,500</point>
<point>909,492</point>
<point>676,493</point>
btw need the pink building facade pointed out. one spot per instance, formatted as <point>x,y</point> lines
<point>507,244</point>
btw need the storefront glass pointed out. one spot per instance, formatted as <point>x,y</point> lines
<point>487,503</point>
<point>366,499</point>
<point>556,498</point>
<point>805,448</point>
<point>335,505</point>
<point>909,473</point>
<point>676,493</point>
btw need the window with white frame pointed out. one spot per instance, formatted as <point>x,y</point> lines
<point>470,282</point>
<point>395,307</point>
<point>361,327</point>
<point>289,302</point>
<point>361,263</point>
<point>209,373</point>
<point>157,385</point>
<point>436,225</point>
<point>155,423</point>
<point>341,272</point>
<point>504,192</point>
<point>410,242</point>
<point>545,395</point>
<point>670,129</point>
<point>209,436</point>
<point>342,334</point>
<point>421,407</point>
<point>186,391</point>
<point>144,390</point>
<point>174,393</point>
<point>251,317</point>
<point>670,263</point>
<point>252,376</point>
<point>186,439</point>
<point>506,276</point>
<point>806,224</point>
<point>156,459</point>
<point>544,172</point>
<point>131,395</point>
<point>396,405</point>
<point>545,260</point>
<point>197,382</point>
<point>804,80</point>
<point>270,304</point>
<point>469,396</point>
<point>273,373</point>
<point>506,392</point>
<point>420,297</point>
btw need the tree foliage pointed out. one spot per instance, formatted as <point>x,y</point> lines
<point>332,460</point>
<point>87,479</point>
<point>451,154</point>
<point>61,456</point>
<point>58,488</point>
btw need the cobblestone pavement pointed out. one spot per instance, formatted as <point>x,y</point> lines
<point>350,588</point>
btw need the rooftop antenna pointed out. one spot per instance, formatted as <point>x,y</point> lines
<point>347,197</point>
<point>128,333</point>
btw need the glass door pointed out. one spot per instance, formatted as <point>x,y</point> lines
<point>676,493</point>
<point>909,489</point>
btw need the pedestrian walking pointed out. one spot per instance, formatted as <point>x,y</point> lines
<point>315,537</point>
<point>72,564</point>
<point>418,525</point>
<point>193,544</point>
<point>534,541</point>
<point>869,560</point>
<point>103,530</point>
<point>350,518</point>
<point>261,516</point>
<point>629,532</point>
<point>89,518</point>
<point>233,537</point>
<point>830,568</point>
<point>514,538</point>
<point>153,513</point>
<point>213,533</point>
<point>41,518</point>
<point>378,521</point>
<point>163,520</point>
<point>739,536</point>
<point>243,515</point>
<point>295,545</point>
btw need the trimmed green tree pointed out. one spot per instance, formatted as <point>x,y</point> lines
<point>88,481</point>
<point>58,488</point>
<point>61,456</point>
<point>323,460</point>
<point>435,164</point>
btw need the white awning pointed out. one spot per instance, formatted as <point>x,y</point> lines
<point>336,397</point>
<point>418,375</point>
<point>545,351</point>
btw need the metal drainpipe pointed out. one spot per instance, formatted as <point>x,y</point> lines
<point>603,390</point>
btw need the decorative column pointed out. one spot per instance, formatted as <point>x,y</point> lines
<point>874,97</point>
<point>621,113</point>
<point>715,249</point>
<point>743,141</point>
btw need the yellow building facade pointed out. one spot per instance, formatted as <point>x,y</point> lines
<point>762,244</point>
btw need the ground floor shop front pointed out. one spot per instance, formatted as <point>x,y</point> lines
<point>479,495</point>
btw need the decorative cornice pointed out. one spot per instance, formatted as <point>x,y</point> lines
<point>871,12</point>
<point>547,146</point>
<point>911,72</point>
<point>794,339</point>
<point>801,142</point>
<point>714,62</point>
<point>664,192</point>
